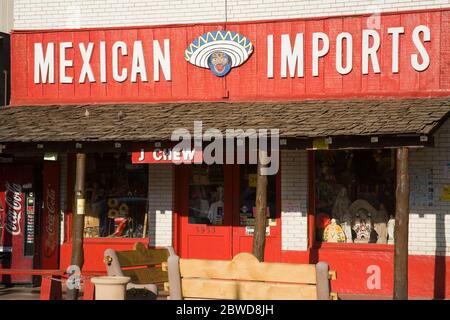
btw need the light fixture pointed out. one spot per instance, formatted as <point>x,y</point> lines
<point>51,156</point>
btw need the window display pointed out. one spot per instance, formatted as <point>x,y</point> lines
<point>116,197</point>
<point>355,196</point>
<point>206,195</point>
<point>248,177</point>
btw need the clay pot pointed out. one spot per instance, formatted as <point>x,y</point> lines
<point>110,288</point>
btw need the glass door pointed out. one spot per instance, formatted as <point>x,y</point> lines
<point>244,210</point>
<point>206,218</point>
<point>217,211</point>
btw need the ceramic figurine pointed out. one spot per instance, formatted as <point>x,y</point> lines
<point>333,233</point>
<point>362,226</point>
<point>347,228</point>
<point>380,224</point>
<point>390,230</point>
<point>342,213</point>
<point>363,213</point>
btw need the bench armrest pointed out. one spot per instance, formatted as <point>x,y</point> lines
<point>112,263</point>
<point>323,283</point>
<point>173,264</point>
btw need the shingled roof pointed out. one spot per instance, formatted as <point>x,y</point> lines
<point>150,122</point>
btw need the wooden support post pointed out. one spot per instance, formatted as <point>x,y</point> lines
<point>259,235</point>
<point>78,220</point>
<point>401,226</point>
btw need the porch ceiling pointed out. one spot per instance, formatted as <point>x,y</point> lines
<point>153,122</point>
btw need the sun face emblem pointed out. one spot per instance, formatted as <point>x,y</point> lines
<point>219,51</point>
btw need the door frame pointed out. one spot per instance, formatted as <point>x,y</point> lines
<point>181,189</point>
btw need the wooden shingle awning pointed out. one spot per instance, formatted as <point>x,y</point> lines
<point>156,122</point>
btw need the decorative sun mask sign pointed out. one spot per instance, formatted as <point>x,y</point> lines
<point>219,51</point>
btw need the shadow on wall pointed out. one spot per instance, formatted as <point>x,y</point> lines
<point>5,70</point>
<point>440,257</point>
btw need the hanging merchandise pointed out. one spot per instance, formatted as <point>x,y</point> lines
<point>120,224</point>
<point>123,210</point>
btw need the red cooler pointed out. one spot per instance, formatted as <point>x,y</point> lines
<point>17,211</point>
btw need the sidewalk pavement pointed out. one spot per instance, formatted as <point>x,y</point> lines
<point>32,293</point>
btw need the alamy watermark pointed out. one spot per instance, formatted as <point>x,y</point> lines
<point>235,146</point>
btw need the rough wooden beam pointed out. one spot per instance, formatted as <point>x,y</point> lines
<point>401,226</point>
<point>78,219</point>
<point>259,236</point>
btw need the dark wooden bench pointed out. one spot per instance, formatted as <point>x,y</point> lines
<point>147,267</point>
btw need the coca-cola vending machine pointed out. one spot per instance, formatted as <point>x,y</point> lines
<point>17,220</point>
<point>48,244</point>
<point>29,219</point>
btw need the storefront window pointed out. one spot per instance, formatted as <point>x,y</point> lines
<point>116,197</point>
<point>248,174</point>
<point>206,195</point>
<point>206,188</point>
<point>355,196</point>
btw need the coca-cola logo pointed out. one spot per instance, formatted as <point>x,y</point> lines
<point>50,226</point>
<point>14,203</point>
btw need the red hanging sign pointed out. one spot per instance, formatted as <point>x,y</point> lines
<point>167,155</point>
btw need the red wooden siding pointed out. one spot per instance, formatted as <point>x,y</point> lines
<point>247,82</point>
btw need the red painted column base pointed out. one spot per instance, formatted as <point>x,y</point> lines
<point>89,289</point>
<point>51,288</point>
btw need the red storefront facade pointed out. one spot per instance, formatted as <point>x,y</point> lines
<point>338,59</point>
<point>188,83</point>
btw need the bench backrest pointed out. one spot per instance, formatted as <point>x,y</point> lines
<point>245,278</point>
<point>143,265</point>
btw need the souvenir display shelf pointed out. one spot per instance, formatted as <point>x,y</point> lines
<point>354,198</point>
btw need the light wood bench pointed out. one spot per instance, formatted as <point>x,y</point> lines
<point>147,267</point>
<point>245,278</point>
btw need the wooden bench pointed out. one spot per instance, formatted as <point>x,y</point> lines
<point>147,267</point>
<point>245,278</point>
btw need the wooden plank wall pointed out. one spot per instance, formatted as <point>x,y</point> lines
<point>249,81</point>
